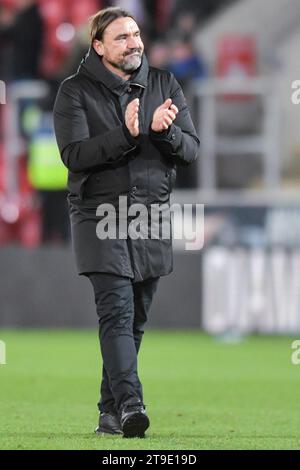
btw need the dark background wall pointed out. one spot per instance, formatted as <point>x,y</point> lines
<point>40,288</point>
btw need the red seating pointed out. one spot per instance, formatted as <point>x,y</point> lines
<point>236,55</point>
<point>20,217</point>
<point>236,58</point>
<point>82,10</point>
<point>2,169</point>
<point>9,4</point>
<point>54,12</point>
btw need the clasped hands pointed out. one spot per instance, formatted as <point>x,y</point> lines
<point>163,116</point>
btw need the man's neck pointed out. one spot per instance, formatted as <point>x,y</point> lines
<point>115,70</point>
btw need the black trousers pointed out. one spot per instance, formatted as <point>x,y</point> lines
<point>122,309</point>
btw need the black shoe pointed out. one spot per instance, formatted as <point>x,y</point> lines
<point>134,420</point>
<point>108,424</point>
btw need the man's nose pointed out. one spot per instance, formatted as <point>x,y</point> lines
<point>133,43</point>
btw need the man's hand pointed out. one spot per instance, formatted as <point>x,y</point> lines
<point>132,117</point>
<point>163,116</point>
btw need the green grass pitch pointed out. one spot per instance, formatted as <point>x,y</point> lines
<point>200,393</point>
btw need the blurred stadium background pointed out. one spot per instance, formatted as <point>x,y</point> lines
<point>236,61</point>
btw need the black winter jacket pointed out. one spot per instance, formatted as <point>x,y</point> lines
<point>105,161</point>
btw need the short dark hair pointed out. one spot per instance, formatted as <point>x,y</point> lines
<point>103,18</point>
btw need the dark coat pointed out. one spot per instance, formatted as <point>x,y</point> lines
<point>105,161</point>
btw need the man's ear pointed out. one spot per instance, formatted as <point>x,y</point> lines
<point>98,46</point>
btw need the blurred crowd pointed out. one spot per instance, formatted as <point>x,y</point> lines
<point>39,36</point>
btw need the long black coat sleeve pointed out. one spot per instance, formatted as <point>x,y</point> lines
<point>79,151</point>
<point>180,140</point>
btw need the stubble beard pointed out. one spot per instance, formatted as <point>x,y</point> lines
<point>129,63</point>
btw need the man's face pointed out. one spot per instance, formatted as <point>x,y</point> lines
<point>121,46</point>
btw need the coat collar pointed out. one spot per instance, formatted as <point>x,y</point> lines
<point>92,66</point>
